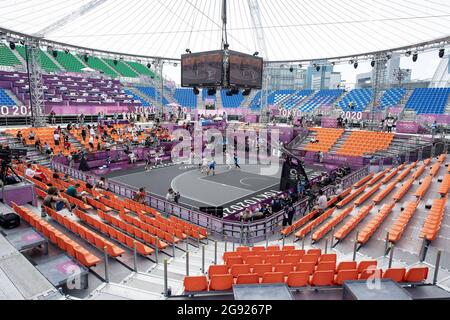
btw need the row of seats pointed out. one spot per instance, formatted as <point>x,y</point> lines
<point>86,234</point>
<point>132,230</point>
<point>363,181</point>
<point>403,190</point>
<point>365,142</point>
<point>433,220</point>
<point>352,223</point>
<point>66,244</point>
<point>369,229</point>
<point>5,99</point>
<point>122,238</point>
<point>297,279</point>
<point>325,138</point>
<point>399,226</point>
<point>367,194</point>
<point>351,196</point>
<point>445,185</point>
<point>311,225</point>
<point>378,176</point>
<point>428,100</point>
<point>326,227</point>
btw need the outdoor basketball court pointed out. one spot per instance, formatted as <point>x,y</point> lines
<point>224,189</point>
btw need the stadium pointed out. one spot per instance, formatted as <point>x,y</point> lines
<point>193,150</point>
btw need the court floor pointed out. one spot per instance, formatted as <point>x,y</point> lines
<point>229,188</point>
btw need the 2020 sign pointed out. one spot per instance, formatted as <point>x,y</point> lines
<point>16,111</point>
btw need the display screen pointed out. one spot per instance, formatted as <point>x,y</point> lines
<point>202,69</point>
<point>245,70</point>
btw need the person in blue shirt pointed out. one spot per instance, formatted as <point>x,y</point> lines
<point>212,166</point>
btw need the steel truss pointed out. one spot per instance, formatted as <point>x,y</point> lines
<point>36,84</point>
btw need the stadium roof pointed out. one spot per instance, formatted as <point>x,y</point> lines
<point>279,30</point>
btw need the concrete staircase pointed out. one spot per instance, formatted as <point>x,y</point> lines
<point>81,61</point>
<point>248,99</point>
<point>219,103</point>
<point>447,107</point>
<point>150,284</point>
<point>22,60</point>
<point>200,102</point>
<point>340,142</point>
<point>304,142</point>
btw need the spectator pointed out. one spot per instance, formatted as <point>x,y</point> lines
<point>140,196</point>
<point>30,173</point>
<point>101,184</point>
<point>54,201</point>
<point>91,142</point>
<point>72,191</point>
<point>19,136</point>
<point>170,196</point>
<point>322,202</point>
<point>132,157</point>
<point>83,133</point>
<point>31,135</point>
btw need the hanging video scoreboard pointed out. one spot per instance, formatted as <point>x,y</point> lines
<point>206,69</point>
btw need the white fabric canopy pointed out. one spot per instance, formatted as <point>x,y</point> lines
<point>291,29</point>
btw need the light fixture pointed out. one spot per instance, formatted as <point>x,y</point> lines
<point>355,65</point>
<point>291,69</point>
<point>414,57</point>
<point>246,92</point>
<point>256,53</point>
<point>196,91</point>
<point>350,62</point>
<point>67,51</point>
<point>317,68</point>
<point>372,63</point>
<point>175,64</point>
<point>86,58</point>
<point>441,53</point>
<point>12,45</point>
<point>388,56</point>
<point>55,53</point>
<point>212,91</point>
<point>188,50</point>
<point>408,53</point>
<point>300,65</point>
<point>115,62</point>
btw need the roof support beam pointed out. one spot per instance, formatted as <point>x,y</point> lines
<point>255,14</point>
<point>70,17</point>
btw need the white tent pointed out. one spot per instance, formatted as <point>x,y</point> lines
<point>288,29</point>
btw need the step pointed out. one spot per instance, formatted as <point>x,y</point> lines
<point>54,60</point>
<point>115,291</point>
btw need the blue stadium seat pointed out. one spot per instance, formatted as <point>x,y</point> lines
<point>322,97</point>
<point>233,101</point>
<point>136,97</point>
<point>295,99</point>
<point>428,100</point>
<point>392,97</point>
<point>152,93</point>
<point>360,99</point>
<point>185,97</point>
<point>5,99</point>
<point>278,96</point>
